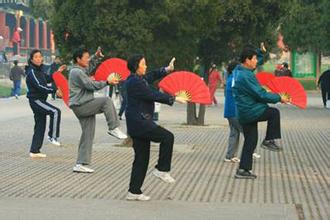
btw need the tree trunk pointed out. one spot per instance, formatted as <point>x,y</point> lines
<point>192,118</point>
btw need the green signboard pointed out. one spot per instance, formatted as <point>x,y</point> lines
<point>304,65</point>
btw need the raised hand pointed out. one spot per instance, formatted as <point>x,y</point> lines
<point>61,68</point>
<point>170,66</point>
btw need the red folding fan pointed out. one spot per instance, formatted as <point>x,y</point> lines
<point>114,67</point>
<point>264,77</point>
<point>188,85</point>
<point>290,87</point>
<point>62,83</point>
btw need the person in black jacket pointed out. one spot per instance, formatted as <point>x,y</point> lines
<point>142,128</point>
<point>38,90</point>
<point>324,83</point>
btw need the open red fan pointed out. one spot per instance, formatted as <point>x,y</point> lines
<point>62,83</point>
<point>188,85</point>
<point>291,87</point>
<point>114,66</point>
<point>264,77</point>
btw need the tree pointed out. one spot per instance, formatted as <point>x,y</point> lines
<point>211,29</point>
<point>305,25</point>
<point>42,8</point>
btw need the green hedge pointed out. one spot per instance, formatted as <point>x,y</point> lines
<point>5,91</point>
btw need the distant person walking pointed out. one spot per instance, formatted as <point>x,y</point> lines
<point>15,75</point>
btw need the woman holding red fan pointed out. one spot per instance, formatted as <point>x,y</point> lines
<point>38,90</point>
<point>141,127</point>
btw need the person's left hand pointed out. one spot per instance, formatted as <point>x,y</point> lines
<point>170,66</point>
<point>99,53</point>
<point>61,68</point>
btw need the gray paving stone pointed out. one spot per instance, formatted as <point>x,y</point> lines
<point>292,183</point>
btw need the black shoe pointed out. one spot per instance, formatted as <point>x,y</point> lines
<point>244,174</point>
<point>270,145</point>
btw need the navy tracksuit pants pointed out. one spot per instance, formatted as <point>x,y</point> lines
<point>41,109</point>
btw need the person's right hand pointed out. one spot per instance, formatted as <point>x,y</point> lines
<point>112,80</point>
<point>181,99</point>
<point>59,93</point>
<point>285,98</point>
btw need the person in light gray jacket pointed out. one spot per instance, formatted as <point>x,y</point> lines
<point>85,106</point>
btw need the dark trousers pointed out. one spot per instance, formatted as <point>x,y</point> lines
<point>15,48</point>
<point>250,131</point>
<point>325,94</point>
<point>123,104</point>
<point>141,147</point>
<point>41,109</point>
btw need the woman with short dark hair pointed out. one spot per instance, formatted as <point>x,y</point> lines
<point>38,90</point>
<point>141,127</point>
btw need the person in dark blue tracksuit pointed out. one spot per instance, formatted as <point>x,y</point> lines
<point>142,128</point>
<point>36,81</point>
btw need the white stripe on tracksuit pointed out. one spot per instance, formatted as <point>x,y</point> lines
<point>36,79</point>
<point>55,116</point>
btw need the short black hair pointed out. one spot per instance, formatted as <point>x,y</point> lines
<point>231,66</point>
<point>247,53</point>
<point>34,51</point>
<point>78,53</point>
<point>133,62</point>
<point>15,62</point>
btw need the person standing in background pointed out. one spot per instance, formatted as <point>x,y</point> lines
<point>16,39</point>
<point>53,68</point>
<point>15,75</point>
<point>214,78</point>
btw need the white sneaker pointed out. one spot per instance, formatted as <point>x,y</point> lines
<point>235,160</point>
<point>165,176</point>
<point>137,197</point>
<point>256,156</point>
<point>227,160</point>
<point>54,141</point>
<point>37,155</point>
<point>232,160</point>
<point>79,168</point>
<point>117,133</point>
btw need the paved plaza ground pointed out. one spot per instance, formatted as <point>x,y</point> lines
<point>291,185</point>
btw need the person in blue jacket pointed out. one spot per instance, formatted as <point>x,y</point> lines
<point>38,90</point>
<point>251,102</point>
<point>141,127</point>
<point>230,113</point>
